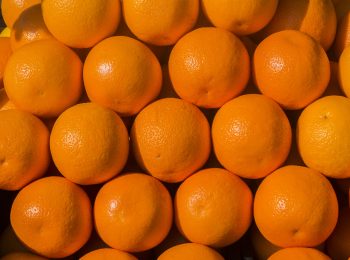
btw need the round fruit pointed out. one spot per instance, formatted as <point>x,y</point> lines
<point>209,66</point>
<point>6,51</point>
<point>12,9</point>
<point>89,144</point>
<point>299,253</point>
<point>262,247</point>
<point>190,251</point>
<point>343,75</point>
<point>251,136</point>
<point>22,256</point>
<point>171,139</point>
<point>342,38</point>
<point>133,212</point>
<point>108,253</point>
<point>203,197</point>
<point>53,210</point>
<point>295,207</point>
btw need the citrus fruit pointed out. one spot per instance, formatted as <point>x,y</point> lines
<point>251,136</point>
<point>299,253</point>
<point>333,87</point>
<point>12,9</point>
<point>343,75</point>
<point>22,256</point>
<point>342,38</point>
<point>190,251</point>
<point>6,32</point>
<point>9,242</point>
<point>108,253</point>
<point>262,247</point>
<point>6,51</point>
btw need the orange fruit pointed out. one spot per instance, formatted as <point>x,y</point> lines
<point>29,27</point>
<point>338,244</point>
<point>343,75</point>
<point>133,212</point>
<point>333,87</point>
<point>262,247</point>
<point>44,78</point>
<point>24,149</point>
<point>108,253</point>
<point>53,210</point>
<point>209,66</point>
<point>256,131</point>
<point>6,51</point>
<point>240,17</point>
<point>22,256</point>
<point>170,139</point>
<point>9,242</point>
<point>299,253</point>
<point>80,23</point>
<point>122,74</point>
<point>190,251</point>
<point>316,18</point>
<point>207,195</point>
<point>295,207</point>
<point>341,8</point>
<point>342,38</point>
<point>292,68</point>
<point>89,144</point>
<point>323,136</point>
<point>12,9</point>
<point>160,22</point>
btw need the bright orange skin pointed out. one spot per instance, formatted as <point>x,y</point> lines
<point>291,68</point>
<point>44,78</point>
<point>24,149</point>
<point>22,256</point>
<point>29,27</point>
<point>203,197</point>
<point>190,251</point>
<point>316,18</point>
<point>80,23</point>
<point>122,74</point>
<point>160,22</point>
<point>295,207</point>
<point>209,66</point>
<point>12,9</point>
<point>343,68</point>
<point>6,51</point>
<point>89,144</point>
<point>134,217</point>
<point>108,253</point>
<point>342,38</point>
<point>53,210</point>
<point>333,87</point>
<point>251,136</point>
<point>299,253</point>
<point>170,139</point>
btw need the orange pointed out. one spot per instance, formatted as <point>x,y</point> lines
<point>160,22</point>
<point>295,207</point>
<point>122,74</point>
<point>240,17</point>
<point>343,75</point>
<point>5,32</point>
<point>299,253</point>
<point>292,68</point>
<point>170,139</point>
<point>80,23</point>
<point>342,38</point>
<point>209,66</point>
<point>133,212</point>
<point>89,144</point>
<point>251,136</point>
<point>190,251</point>
<point>333,87</point>
<point>108,253</point>
<point>12,9</point>
<point>44,78</point>
<point>29,27</point>
<point>316,18</point>
<point>262,247</point>
<point>341,8</point>
<point>22,256</point>
<point>52,217</point>
<point>338,244</point>
<point>24,149</point>
<point>167,90</point>
<point>323,136</point>
<point>6,51</point>
<point>213,207</point>
<point>9,243</point>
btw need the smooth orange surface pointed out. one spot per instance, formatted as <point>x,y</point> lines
<point>343,68</point>
<point>6,51</point>
<point>190,251</point>
<point>299,253</point>
<point>108,254</point>
<point>12,9</point>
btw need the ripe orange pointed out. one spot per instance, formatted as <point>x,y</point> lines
<point>24,149</point>
<point>44,78</point>
<point>299,253</point>
<point>29,27</point>
<point>160,22</point>
<point>89,144</point>
<point>80,23</point>
<point>343,75</point>
<point>295,207</point>
<point>333,87</point>
<point>209,66</point>
<point>292,68</point>
<point>171,139</point>
<point>6,51</point>
<point>22,256</point>
<point>133,212</point>
<point>342,38</point>
<point>323,136</point>
<point>122,74</point>
<point>190,251</point>
<point>12,9</point>
<point>251,136</point>
<point>240,17</point>
<point>213,207</point>
<point>52,217</point>
<point>316,18</point>
<point>108,253</point>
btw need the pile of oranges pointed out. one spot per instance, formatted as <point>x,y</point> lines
<point>175,130</point>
